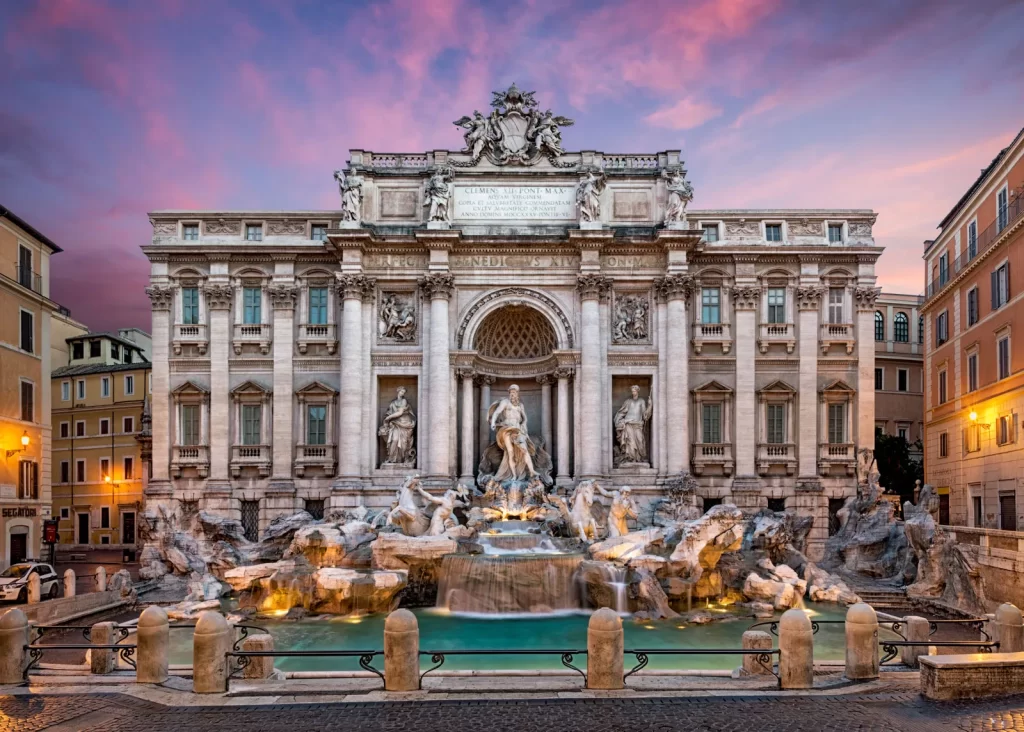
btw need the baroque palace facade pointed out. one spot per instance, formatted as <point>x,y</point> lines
<point>315,358</point>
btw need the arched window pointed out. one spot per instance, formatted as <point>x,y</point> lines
<point>879,326</point>
<point>920,329</point>
<point>901,328</point>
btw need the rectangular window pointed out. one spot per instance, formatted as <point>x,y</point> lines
<point>318,305</point>
<point>65,513</point>
<point>1002,209</point>
<point>879,379</point>
<point>28,401</point>
<point>837,423</point>
<point>972,239</point>
<point>190,424</point>
<point>129,468</point>
<point>1005,429</point>
<point>115,351</point>
<point>1003,353</point>
<point>1000,286</point>
<point>80,389</point>
<point>315,508</point>
<point>25,273</point>
<point>127,355</point>
<point>318,232</point>
<point>65,430</point>
<point>773,232</point>
<point>972,306</point>
<point>978,515</point>
<point>105,387</point>
<point>710,305</point>
<point>941,328</point>
<point>105,469</point>
<point>901,432</point>
<point>254,232</point>
<point>710,232</point>
<point>190,232</point>
<point>776,424</point>
<point>129,384</point>
<point>190,305</point>
<point>77,350</point>
<point>835,233</point>
<point>104,426</point>
<point>65,391</point>
<point>65,471</point>
<point>105,517</point>
<point>94,349</point>
<point>316,425</point>
<point>836,297</point>
<point>128,425</point>
<point>943,444</point>
<point>777,305</point>
<point>252,300</point>
<point>944,268</point>
<point>80,471</point>
<point>80,428</point>
<point>27,332</point>
<point>902,380</point>
<point>942,387</point>
<point>711,416</point>
<point>972,372</point>
<point>251,417</point>
<point>28,480</point>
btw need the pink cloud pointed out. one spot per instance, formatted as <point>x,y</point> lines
<point>684,115</point>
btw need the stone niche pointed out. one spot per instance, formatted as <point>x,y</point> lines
<point>530,396</point>
<point>621,386</point>
<point>387,390</point>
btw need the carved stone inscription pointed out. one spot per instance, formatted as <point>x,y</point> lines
<point>507,203</point>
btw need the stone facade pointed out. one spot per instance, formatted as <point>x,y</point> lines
<point>749,329</point>
<point>899,368</point>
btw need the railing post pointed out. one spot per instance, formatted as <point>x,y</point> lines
<point>605,646</point>
<point>260,667</point>
<point>401,652</point>
<point>13,639</point>
<point>101,579</point>
<point>796,651</point>
<point>35,588</point>
<point>1009,627</point>
<point>861,642</point>
<point>152,636</point>
<point>210,646</point>
<point>917,630</point>
<point>755,640</point>
<point>103,661</point>
<point>70,583</point>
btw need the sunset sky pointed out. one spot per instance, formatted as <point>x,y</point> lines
<point>115,108</point>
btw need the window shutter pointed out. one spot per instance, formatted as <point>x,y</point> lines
<point>1007,265</point>
<point>35,480</point>
<point>995,289</point>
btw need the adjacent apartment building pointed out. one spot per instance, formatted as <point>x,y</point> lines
<point>99,397</point>
<point>899,368</point>
<point>25,313</point>
<point>974,350</point>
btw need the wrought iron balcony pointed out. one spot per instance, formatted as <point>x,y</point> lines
<point>841,455</point>
<point>770,455</point>
<point>28,279</point>
<point>707,454</point>
<point>705,333</point>
<point>781,333</point>
<point>190,456</point>
<point>325,333</point>
<point>257,334</point>
<point>189,334</point>
<point>314,456</point>
<point>255,456</point>
<point>838,333</point>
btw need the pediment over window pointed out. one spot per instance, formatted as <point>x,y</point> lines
<point>713,387</point>
<point>317,388</point>
<point>190,388</point>
<point>838,387</point>
<point>251,388</point>
<point>778,387</point>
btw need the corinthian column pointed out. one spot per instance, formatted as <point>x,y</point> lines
<point>562,440</point>
<point>438,287</point>
<point>219,299</point>
<point>745,300</point>
<point>485,404</point>
<point>675,289</point>
<point>282,298</point>
<point>808,302</point>
<point>468,425</point>
<point>545,410</point>
<point>162,299</point>
<point>865,298</point>
<point>350,289</point>
<point>591,288</point>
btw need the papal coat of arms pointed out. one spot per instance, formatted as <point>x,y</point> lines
<point>515,133</point>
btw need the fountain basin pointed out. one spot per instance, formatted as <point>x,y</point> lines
<point>509,583</point>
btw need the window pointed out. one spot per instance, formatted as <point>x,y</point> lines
<point>28,480</point>
<point>316,425</point>
<point>318,305</point>
<point>972,372</point>
<point>901,328</point>
<point>942,387</point>
<point>1005,429</point>
<point>27,331</point>
<point>252,299</point>
<point>80,428</point>
<point>318,232</point>
<point>879,326</point>
<point>879,379</point>
<point>835,233</point>
<point>777,305</point>
<point>710,305</point>
<point>65,430</point>
<point>65,391</point>
<point>920,329</point>
<point>80,471</point>
<point>28,401</point>
<point>943,444</point>
<point>1002,211</point>
<point>105,517</point>
<point>254,232</point>
<point>190,424</point>
<point>128,425</point>
<point>1000,286</point>
<point>941,328</point>
<point>972,306</point>
<point>944,268</point>
<point>105,387</point>
<point>129,468</point>
<point>104,426</point>
<point>315,508</point>
<point>104,540</point>
<point>902,380</point>
<point>1003,355</point>
<point>251,417</point>
<point>190,305</point>
<point>190,232</point>
<point>776,418</point>
<point>711,419</point>
<point>710,232</point>
<point>250,519</point>
<point>837,423</point>
<point>65,471</point>
<point>105,468</point>
<point>25,268</point>
<point>129,384</point>
<point>972,239</point>
<point>65,512</point>
<point>901,432</point>
<point>94,349</point>
<point>80,389</point>
<point>77,350</point>
<point>773,232</point>
<point>978,515</point>
<point>836,296</point>
<point>115,351</point>
<point>127,355</point>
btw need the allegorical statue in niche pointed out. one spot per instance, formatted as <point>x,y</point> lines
<point>631,428</point>
<point>630,318</point>
<point>351,189</point>
<point>508,420</point>
<point>680,194</point>
<point>397,319</point>
<point>588,195</point>
<point>397,430</point>
<point>438,194</point>
<point>622,509</point>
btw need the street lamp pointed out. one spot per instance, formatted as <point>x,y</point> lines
<point>24,445</point>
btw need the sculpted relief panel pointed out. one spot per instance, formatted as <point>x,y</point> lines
<point>630,318</point>
<point>396,319</point>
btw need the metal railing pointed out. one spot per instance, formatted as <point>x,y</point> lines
<point>891,648</point>
<point>28,279</point>
<point>438,657</point>
<point>244,658</point>
<point>762,656</point>
<point>125,651</point>
<point>86,630</point>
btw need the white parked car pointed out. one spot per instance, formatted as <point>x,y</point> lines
<point>14,581</point>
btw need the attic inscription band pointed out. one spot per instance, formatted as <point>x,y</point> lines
<point>501,203</point>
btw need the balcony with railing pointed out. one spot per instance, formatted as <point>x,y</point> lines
<point>250,456</point>
<point>189,334</point>
<point>838,334</point>
<point>320,457</point>
<point>836,455</point>
<point>1014,213</point>
<point>195,457</point>
<point>713,455</point>
<point>317,333</point>
<point>712,333</point>
<point>779,333</point>
<point>771,456</point>
<point>255,334</point>
<point>28,279</point>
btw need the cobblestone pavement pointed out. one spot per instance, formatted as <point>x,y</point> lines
<point>882,712</point>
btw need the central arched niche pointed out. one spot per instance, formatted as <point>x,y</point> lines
<point>515,332</point>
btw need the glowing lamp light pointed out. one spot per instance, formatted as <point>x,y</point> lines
<point>24,445</point>
<point>107,478</point>
<point>25,439</point>
<point>973,416</point>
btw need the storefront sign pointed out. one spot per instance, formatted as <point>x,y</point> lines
<point>19,512</point>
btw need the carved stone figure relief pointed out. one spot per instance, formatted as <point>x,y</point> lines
<point>351,189</point>
<point>804,227</point>
<point>438,195</point>
<point>398,429</point>
<point>396,322</point>
<point>165,228</point>
<point>223,227</point>
<point>743,227</point>
<point>630,319</point>
<point>286,228</point>
<point>588,196</point>
<point>680,194</point>
<point>631,429</point>
<point>859,228</point>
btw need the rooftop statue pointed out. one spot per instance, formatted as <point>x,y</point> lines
<point>680,194</point>
<point>351,189</point>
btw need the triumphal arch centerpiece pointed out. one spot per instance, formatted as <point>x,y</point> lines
<point>511,311</point>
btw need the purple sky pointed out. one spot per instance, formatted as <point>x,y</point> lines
<point>112,109</point>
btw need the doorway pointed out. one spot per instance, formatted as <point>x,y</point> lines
<point>1008,511</point>
<point>19,547</point>
<point>82,535</point>
<point>128,527</point>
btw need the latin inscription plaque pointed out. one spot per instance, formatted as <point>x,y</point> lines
<point>510,203</point>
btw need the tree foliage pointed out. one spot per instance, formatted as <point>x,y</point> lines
<point>897,470</point>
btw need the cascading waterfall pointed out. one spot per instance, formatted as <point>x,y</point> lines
<point>508,583</point>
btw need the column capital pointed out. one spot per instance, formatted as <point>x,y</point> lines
<point>809,298</point>
<point>352,286</point>
<point>282,297</point>
<point>484,379</point>
<point>161,297</point>
<point>545,379</point>
<point>745,297</point>
<point>593,286</point>
<point>865,297</point>
<point>438,285</point>
<point>219,297</point>
<point>466,374</point>
<point>369,288</point>
<point>674,287</point>
<point>564,372</point>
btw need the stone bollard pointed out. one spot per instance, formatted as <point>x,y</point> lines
<point>917,630</point>
<point>101,579</point>
<point>760,641</point>
<point>1009,629</point>
<point>210,644</point>
<point>103,661</point>
<point>796,651</point>
<point>13,639</point>
<point>70,583</point>
<point>604,650</point>
<point>861,642</point>
<point>152,635</point>
<point>35,589</point>
<point>260,667</point>
<point>401,652</point>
